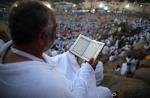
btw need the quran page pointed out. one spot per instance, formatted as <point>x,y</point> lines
<point>86,48</point>
<point>91,50</point>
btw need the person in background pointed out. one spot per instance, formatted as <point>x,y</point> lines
<point>124,69</point>
<point>147,46</point>
<point>117,69</point>
<point>112,57</point>
<point>1,43</point>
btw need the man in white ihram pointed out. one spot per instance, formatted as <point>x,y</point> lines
<point>71,70</point>
<point>25,71</point>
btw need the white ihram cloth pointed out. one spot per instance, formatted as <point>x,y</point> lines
<point>68,66</point>
<point>1,43</point>
<point>36,79</point>
<point>124,69</point>
<point>31,79</point>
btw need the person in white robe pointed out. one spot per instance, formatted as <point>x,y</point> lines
<point>112,58</point>
<point>147,46</point>
<point>1,43</point>
<point>45,75</point>
<point>30,79</point>
<point>99,73</point>
<point>71,69</point>
<point>134,64</point>
<point>127,47</point>
<point>25,71</point>
<point>108,42</point>
<point>106,50</point>
<point>117,69</point>
<point>148,35</point>
<point>124,69</point>
<point>112,49</point>
<point>128,59</point>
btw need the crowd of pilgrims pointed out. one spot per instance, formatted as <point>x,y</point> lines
<point>120,36</point>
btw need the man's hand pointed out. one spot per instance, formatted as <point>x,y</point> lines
<point>93,63</point>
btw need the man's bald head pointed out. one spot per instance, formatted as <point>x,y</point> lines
<point>28,18</point>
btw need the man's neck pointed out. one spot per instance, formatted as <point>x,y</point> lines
<point>31,49</point>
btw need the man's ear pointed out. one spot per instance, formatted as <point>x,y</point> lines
<point>41,39</point>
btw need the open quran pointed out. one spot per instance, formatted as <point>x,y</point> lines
<point>85,48</point>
